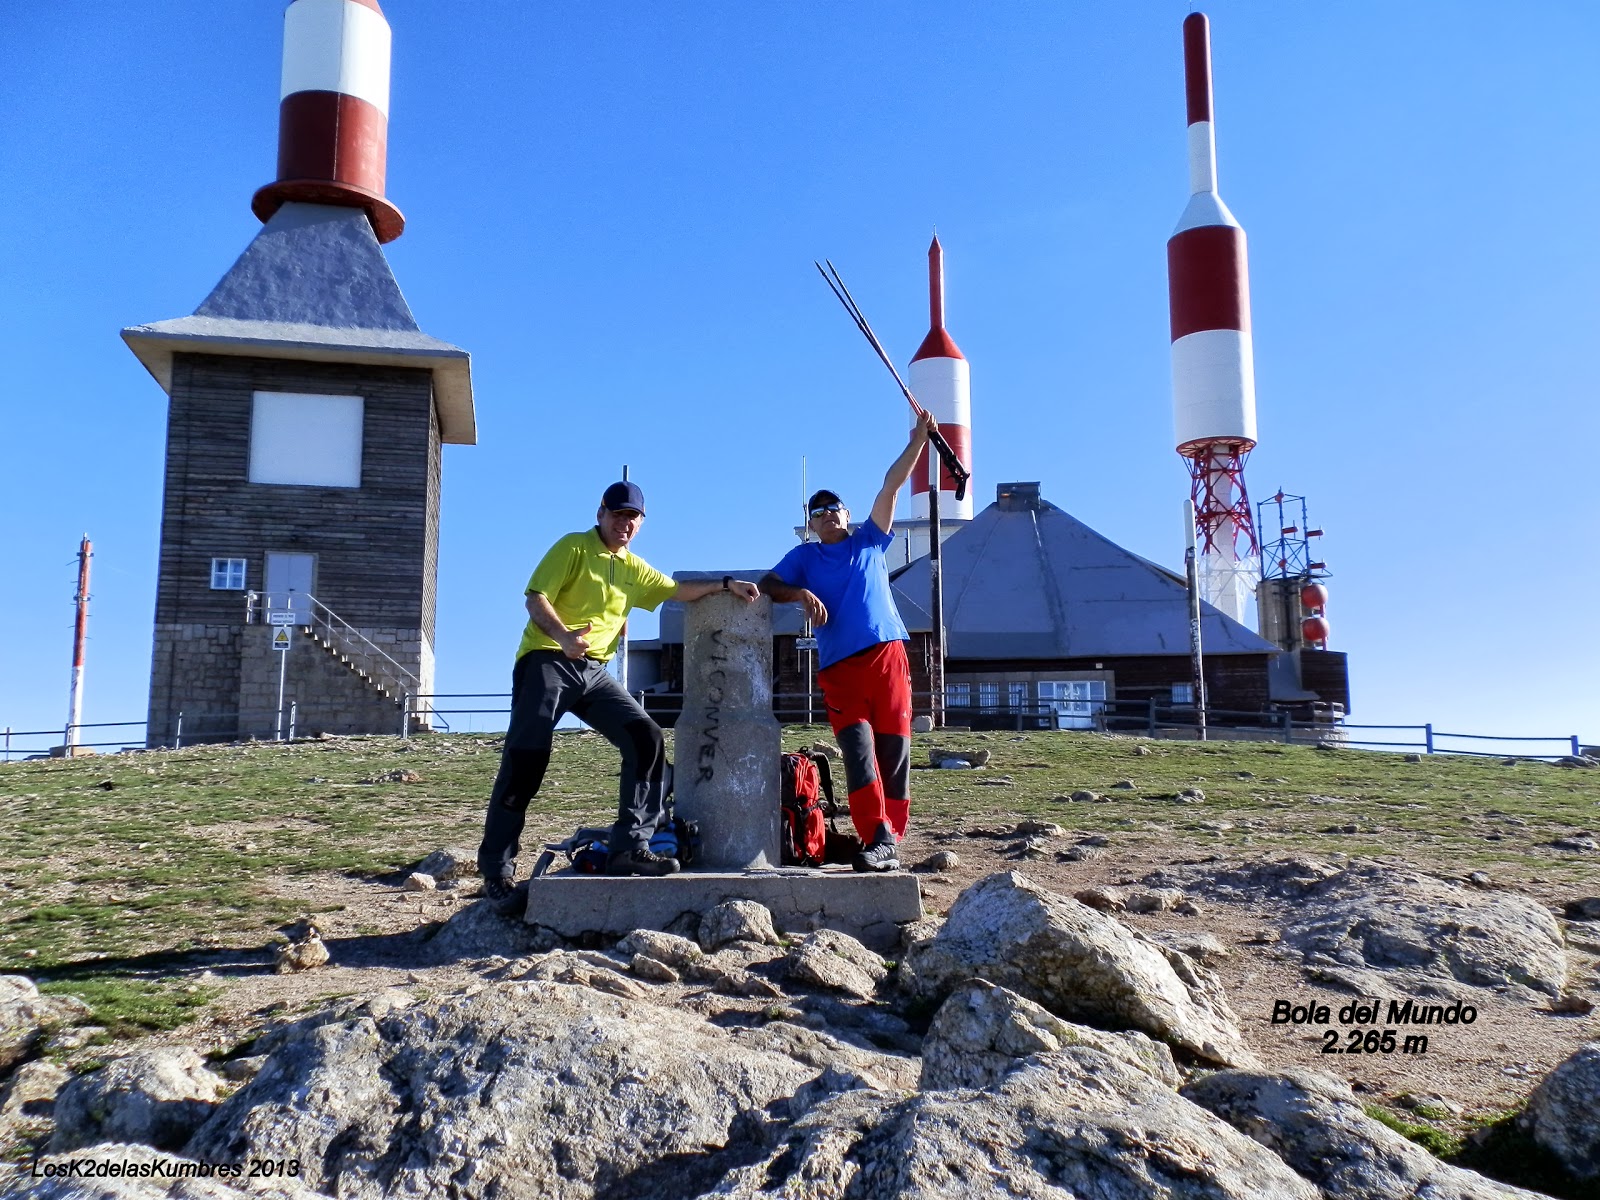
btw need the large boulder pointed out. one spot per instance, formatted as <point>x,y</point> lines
<point>1072,1122</point>
<point>837,962</point>
<point>1316,1125</point>
<point>1384,929</point>
<point>157,1097</point>
<point>1077,963</point>
<point>25,1016</point>
<point>525,1089</point>
<point>983,1032</point>
<point>1563,1114</point>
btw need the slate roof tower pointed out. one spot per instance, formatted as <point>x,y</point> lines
<point>306,415</point>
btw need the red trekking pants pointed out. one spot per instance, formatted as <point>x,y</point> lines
<point>869,706</point>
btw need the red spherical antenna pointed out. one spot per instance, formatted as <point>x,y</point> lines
<point>1314,597</point>
<point>1315,630</point>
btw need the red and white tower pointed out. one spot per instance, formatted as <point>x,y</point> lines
<point>941,380</point>
<point>1213,366</point>
<point>333,118</point>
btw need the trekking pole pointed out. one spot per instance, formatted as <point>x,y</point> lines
<point>947,456</point>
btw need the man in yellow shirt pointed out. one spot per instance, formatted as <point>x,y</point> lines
<point>578,600</point>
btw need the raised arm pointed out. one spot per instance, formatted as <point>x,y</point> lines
<point>900,471</point>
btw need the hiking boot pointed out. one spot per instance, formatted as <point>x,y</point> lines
<point>882,855</point>
<point>641,861</point>
<point>506,897</point>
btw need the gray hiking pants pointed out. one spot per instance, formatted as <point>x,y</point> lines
<point>545,686</point>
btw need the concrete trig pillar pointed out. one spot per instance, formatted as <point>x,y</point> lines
<point>727,741</point>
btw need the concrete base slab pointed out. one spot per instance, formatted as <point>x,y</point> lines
<point>870,907</point>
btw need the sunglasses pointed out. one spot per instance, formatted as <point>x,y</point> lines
<point>826,508</point>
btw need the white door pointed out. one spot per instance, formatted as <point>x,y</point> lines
<point>289,579</point>
<point>1076,702</point>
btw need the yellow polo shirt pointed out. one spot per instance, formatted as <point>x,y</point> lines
<point>586,582</point>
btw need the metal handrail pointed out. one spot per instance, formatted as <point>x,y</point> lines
<point>395,678</point>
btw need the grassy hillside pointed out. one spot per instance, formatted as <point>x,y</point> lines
<point>172,851</point>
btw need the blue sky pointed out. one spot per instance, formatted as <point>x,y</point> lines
<point>615,208</point>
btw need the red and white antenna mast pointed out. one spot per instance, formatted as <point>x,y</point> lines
<point>941,379</point>
<point>1213,362</point>
<point>333,116</point>
<point>79,637</point>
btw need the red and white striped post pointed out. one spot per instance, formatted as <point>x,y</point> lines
<point>941,380</point>
<point>80,637</point>
<point>333,118</point>
<point>1213,361</point>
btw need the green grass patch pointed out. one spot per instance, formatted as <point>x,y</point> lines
<point>1438,1142</point>
<point>130,1007</point>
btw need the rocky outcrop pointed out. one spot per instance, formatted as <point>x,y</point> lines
<point>522,1090</point>
<point>157,1097</point>
<point>737,921</point>
<point>983,1032</point>
<point>25,1016</point>
<point>1314,1124</point>
<point>1078,964</point>
<point>1387,919</point>
<point>1073,1122</point>
<point>1382,929</point>
<point>838,962</point>
<point>1563,1114</point>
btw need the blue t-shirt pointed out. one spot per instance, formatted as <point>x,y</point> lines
<point>852,580</point>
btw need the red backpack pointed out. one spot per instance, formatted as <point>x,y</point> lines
<point>807,790</point>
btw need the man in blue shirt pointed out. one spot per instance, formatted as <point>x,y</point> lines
<point>843,582</point>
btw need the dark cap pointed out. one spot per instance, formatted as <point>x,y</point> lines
<point>623,495</point>
<point>822,496</point>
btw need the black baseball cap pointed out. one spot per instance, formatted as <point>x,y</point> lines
<point>621,495</point>
<point>822,496</point>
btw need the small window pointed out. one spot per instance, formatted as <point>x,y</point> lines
<point>1183,693</point>
<point>958,695</point>
<point>1017,693</point>
<point>988,696</point>
<point>227,574</point>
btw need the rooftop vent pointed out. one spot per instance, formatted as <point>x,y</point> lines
<point>1017,497</point>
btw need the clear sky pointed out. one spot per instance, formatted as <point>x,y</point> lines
<point>615,208</point>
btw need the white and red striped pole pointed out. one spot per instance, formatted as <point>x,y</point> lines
<point>333,117</point>
<point>941,380</point>
<point>80,637</point>
<point>1213,361</point>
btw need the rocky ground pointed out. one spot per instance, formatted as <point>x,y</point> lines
<point>1252,929</point>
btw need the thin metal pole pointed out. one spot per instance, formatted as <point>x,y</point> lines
<point>405,714</point>
<point>805,620</point>
<point>936,707</point>
<point>1196,654</point>
<point>177,737</point>
<point>293,706</point>
<point>622,658</point>
<point>1427,737</point>
<point>79,638</point>
<point>283,670</point>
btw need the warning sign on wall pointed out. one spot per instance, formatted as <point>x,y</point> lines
<point>280,638</point>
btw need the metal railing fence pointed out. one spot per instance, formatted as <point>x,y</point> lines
<point>1105,716</point>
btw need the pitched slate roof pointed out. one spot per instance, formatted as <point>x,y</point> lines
<point>314,284</point>
<point>1025,579</point>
